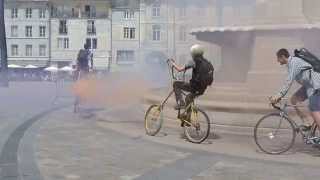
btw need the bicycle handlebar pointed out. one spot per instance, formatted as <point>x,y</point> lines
<point>169,62</point>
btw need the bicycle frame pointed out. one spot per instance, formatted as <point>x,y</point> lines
<point>283,112</point>
<point>190,106</point>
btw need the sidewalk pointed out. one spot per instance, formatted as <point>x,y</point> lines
<point>112,144</point>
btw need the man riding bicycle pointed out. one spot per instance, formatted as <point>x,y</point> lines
<point>202,76</point>
<point>83,58</point>
<point>302,72</point>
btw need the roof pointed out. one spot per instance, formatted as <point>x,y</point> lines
<point>254,28</point>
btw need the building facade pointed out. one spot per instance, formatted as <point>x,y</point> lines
<point>27,32</point>
<point>74,23</point>
<point>122,33</point>
<point>125,35</point>
<point>165,29</point>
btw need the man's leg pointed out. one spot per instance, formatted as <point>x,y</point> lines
<point>178,86</point>
<point>298,97</point>
<point>316,117</point>
<point>314,105</point>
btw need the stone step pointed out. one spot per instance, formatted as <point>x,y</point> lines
<point>235,97</point>
<point>222,106</point>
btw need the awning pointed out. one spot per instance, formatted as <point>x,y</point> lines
<point>254,28</point>
<point>14,66</point>
<point>31,66</point>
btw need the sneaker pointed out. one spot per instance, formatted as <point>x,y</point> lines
<point>184,117</point>
<point>315,140</point>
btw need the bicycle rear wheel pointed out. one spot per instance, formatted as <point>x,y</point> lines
<point>153,120</point>
<point>274,134</point>
<point>198,129</point>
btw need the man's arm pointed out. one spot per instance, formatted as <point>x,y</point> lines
<point>177,67</point>
<point>293,71</point>
<point>184,68</point>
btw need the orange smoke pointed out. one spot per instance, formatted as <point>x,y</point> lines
<point>113,90</point>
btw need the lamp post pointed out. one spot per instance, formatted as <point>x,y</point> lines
<point>3,47</point>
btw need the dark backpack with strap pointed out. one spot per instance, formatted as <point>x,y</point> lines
<point>308,57</point>
<point>83,59</point>
<point>203,73</point>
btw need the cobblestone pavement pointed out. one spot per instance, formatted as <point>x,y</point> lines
<point>111,145</point>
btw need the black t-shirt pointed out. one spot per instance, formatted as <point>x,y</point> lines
<point>195,80</point>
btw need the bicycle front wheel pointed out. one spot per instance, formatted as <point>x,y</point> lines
<point>274,134</point>
<point>198,128</point>
<point>153,120</point>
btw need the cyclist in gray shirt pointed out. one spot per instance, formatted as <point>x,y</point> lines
<point>301,72</point>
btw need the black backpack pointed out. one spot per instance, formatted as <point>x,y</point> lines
<point>305,55</point>
<point>204,73</point>
<point>83,58</point>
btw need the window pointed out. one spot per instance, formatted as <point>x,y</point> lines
<point>54,11</point>
<point>14,50</point>
<point>66,43</point>
<point>91,29</point>
<point>128,14</point>
<point>156,32</point>
<point>73,12</point>
<point>28,31</point>
<point>63,43</point>
<point>126,33</point>
<point>42,50</point>
<point>42,31</point>
<point>90,11</point>
<point>156,9</point>
<point>42,13</point>
<point>14,31</point>
<point>129,33</point>
<point>125,56</point>
<point>28,13</point>
<point>132,33</point>
<point>63,27</point>
<point>28,50</point>
<point>182,33</point>
<point>92,42</point>
<point>182,11</point>
<point>14,13</point>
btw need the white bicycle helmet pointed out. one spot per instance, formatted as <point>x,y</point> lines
<point>196,50</point>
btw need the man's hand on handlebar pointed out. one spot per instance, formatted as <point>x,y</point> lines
<point>275,99</point>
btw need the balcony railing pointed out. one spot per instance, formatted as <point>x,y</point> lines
<point>83,14</point>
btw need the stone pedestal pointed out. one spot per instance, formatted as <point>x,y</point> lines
<point>266,75</point>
